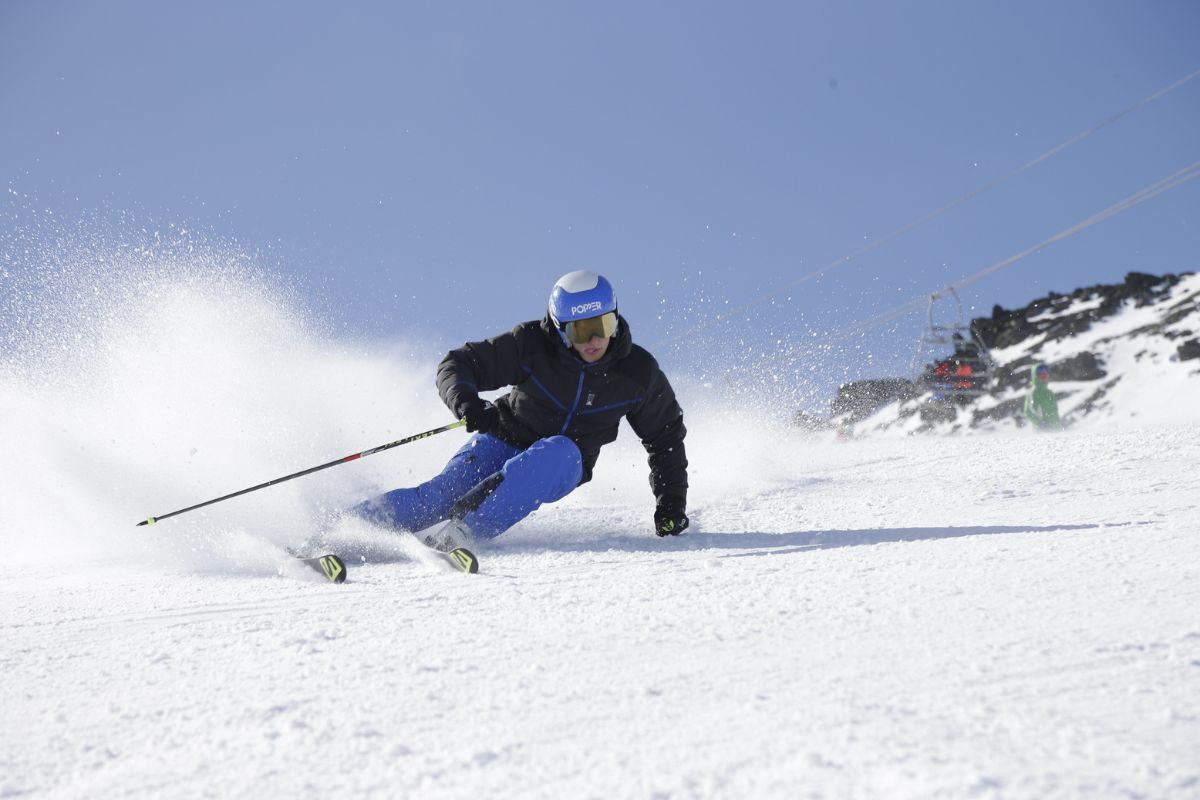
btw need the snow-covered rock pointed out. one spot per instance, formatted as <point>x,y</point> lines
<point>1117,353</point>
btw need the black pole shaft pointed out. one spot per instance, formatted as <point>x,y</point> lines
<point>310,470</point>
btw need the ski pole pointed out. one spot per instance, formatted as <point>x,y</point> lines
<point>310,470</point>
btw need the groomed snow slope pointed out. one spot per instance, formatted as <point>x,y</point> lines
<point>995,616</point>
<point>983,617</point>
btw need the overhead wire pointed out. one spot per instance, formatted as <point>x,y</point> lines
<point>1188,173</point>
<point>929,217</point>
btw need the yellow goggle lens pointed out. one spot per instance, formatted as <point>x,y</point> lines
<point>582,330</point>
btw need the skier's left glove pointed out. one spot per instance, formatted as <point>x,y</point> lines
<point>670,517</point>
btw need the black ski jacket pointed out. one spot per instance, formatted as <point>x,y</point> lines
<point>555,393</point>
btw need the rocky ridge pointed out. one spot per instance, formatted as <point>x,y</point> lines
<point>1124,350</point>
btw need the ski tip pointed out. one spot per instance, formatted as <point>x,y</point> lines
<point>148,521</point>
<point>464,559</point>
<point>332,567</point>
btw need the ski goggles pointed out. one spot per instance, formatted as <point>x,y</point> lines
<point>581,331</point>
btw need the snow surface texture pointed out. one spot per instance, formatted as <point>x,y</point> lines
<point>993,616</point>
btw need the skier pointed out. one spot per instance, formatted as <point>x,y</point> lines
<point>574,374</point>
<point>1041,407</point>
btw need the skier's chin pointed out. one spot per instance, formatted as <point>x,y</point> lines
<point>592,353</point>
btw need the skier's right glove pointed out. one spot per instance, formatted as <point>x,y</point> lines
<point>481,415</point>
<point>670,518</point>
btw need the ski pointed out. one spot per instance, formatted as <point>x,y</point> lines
<point>447,543</point>
<point>334,569</point>
<point>329,565</point>
<point>461,558</point>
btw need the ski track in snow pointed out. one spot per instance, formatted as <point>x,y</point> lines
<point>988,616</point>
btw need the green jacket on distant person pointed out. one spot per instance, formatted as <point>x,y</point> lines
<point>1041,407</point>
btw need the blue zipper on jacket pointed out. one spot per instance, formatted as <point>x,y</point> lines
<point>542,386</point>
<point>575,405</point>
<point>611,406</point>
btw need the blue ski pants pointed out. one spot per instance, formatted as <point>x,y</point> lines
<point>491,485</point>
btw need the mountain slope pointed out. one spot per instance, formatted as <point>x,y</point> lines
<point>1117,353</point>
<point>988,616</point>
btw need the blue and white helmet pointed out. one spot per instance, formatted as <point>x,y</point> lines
<point>583,295</point>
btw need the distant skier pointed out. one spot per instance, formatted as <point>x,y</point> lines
<point>574,374</point>
<point>1041,407</point>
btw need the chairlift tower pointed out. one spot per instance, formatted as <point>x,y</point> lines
<point>964,372</point>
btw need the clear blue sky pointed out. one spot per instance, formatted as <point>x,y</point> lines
<point>429,169</point>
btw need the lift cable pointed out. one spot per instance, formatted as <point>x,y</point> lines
<point>1178,178</point>
<point>877,243</point>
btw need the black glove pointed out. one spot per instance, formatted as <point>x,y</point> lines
<point>481,415</point>
<point>670,519</point>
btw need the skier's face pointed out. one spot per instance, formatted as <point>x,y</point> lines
<point>593,349</point>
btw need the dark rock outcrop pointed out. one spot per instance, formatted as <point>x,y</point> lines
<point>1044,325</point>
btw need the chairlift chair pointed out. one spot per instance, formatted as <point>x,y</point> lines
<point>964,374</point>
